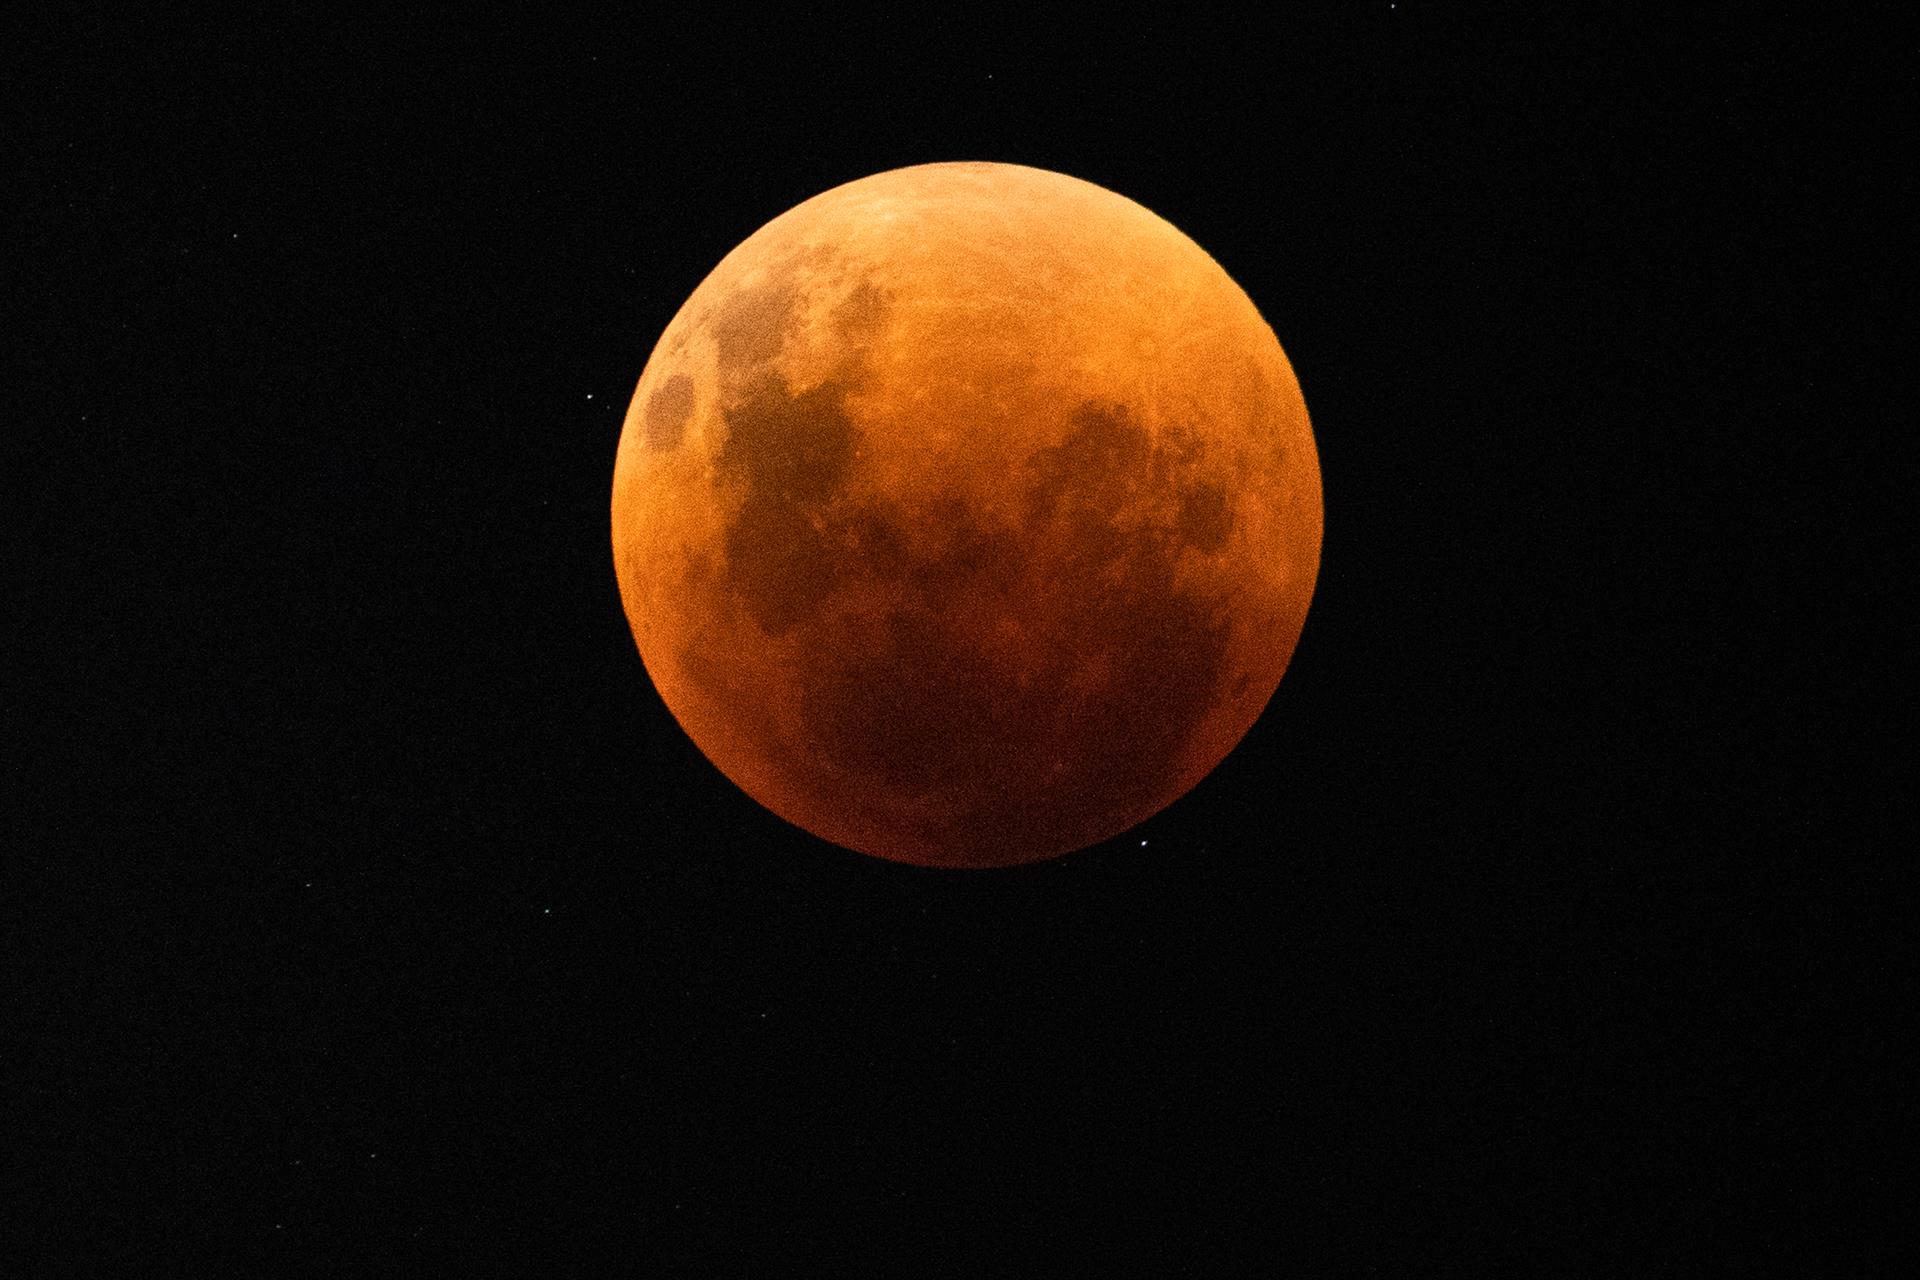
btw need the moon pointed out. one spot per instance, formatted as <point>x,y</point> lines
<point>967,514</point>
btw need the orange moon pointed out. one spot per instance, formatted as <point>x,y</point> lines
<point>967,514</point>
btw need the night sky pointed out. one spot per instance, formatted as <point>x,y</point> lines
<point>376,912</point>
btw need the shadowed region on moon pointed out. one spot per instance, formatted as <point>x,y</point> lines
<point>991,744</point>
<point>1112,673</point>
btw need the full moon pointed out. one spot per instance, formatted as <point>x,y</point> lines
<point>967,515</point>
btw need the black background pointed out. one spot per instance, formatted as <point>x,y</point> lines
<point>378,911</point>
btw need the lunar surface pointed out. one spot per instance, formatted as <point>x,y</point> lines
<point>967,514</point>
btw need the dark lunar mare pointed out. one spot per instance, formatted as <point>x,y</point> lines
<point>792,452</point>
<point>668,410</point>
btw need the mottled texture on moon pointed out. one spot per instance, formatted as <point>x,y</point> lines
<point>967,514</point>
